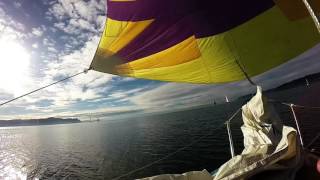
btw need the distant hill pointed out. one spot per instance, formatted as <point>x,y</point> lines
<point>36,122</point>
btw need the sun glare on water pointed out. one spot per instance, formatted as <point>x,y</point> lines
<point>14,67</point>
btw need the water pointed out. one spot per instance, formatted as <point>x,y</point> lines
<point>109,149</point>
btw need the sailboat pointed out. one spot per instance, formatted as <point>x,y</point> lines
<point>307,82</point>
<point>208,42</point>
<point>205,42</point>
<point>227,99</point>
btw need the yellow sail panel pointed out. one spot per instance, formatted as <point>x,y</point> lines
<point>177,47</point>
<point>273,40</point>
<point>185,51</point>
<point>194,71</point>
<point>117,34</point>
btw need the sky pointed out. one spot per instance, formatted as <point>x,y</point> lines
<point>44,41</point>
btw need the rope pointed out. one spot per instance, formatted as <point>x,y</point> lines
<point>175,152</point>
<point>313,140</point>
<point>200,138</point>
<point>36,90</point>
<point>312,14</point>
<point>245,73</point>
<point>233,115</point>
<point>307,107</point>
<point>292,108</point>
<point>294,105</point>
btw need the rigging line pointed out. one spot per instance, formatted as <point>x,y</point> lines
<point>242,68</point>
<point>163,158</point>
<point>245,73</point>
<point>231,117</point>
<point>36,90</point>
<point>313,140</point>
<point>295,105</point>
<point>312,14</point>
<point>175,152</point>
<point>307,107</point>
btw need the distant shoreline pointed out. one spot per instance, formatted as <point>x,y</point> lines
<point>38,122</point>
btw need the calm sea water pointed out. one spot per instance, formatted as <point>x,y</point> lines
<point>109,149</point>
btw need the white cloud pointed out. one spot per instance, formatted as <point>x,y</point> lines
<point>58,64</point>
<point>10,29</point>
<point>75,26</point>
<point>74,62</point>
<point>74,16</point>
<point>35,45</point>
<point>37,31</point>
<point>83,24</point>
<point>48,42</point>
<point>17,4</point>
<point>66,94</point>
<point>57,10</point>
<point>118,95</point>
<point>10,23</point>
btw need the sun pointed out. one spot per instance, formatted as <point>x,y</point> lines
<point>14,67</point>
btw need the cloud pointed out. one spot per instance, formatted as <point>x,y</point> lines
<point>81,88</point>
<point>56,64</point>
<point>10,29</point>
<point>35,45</point>
<point>7,23</point>
<point>75,61</point>
<point>37,31</point>
<point>17,4</point>
<point>74,16</point>
<point>49,42</point>
<point>75,26</point>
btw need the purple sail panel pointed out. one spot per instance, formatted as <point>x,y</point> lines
<point>160,35</point>
<point>176,20</point>
<point>148,9</point>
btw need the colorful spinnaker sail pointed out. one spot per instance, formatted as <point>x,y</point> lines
<point>202,41</point>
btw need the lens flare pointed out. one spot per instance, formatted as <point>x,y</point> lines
<point>15,67</point>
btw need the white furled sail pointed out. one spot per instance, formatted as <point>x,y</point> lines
<point>268,145</point>
<point>192,175</point>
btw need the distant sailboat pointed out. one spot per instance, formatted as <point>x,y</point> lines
<point>227,100</point>
<point>214,102</point>
<point>307,82</point>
